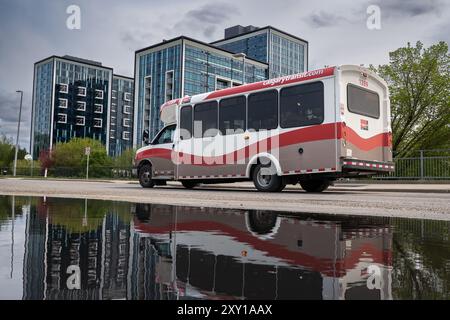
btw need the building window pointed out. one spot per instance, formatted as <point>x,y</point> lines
<point>81,91</point>
<point>222,83</point>
<point>169,85</point>
<point>81,106</point>
<point>232,115</point>
<point>113,107</point>
<point>126,135</point>
<point>98,94</point>
<point>127,109</point>
<point>205,119</point>
<point>113,120</point>
<point>147,100</point>
<point>263,110</point>
<point>127,96</point>
<point>302,105</point>
<point>186,123</point>
<point>126,123</point>
<point>112,134</point>
<point>80,121</point>
<point>62,103</point>
<point>114,94</point>
<point>62,118</point>
<point>63,88</point>
<point>98,108</point>
<point>98,123</point>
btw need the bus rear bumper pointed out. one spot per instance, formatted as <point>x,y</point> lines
<point>366,165</point>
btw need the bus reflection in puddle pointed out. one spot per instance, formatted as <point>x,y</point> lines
<point>169,252</point>
<point>221,253</point>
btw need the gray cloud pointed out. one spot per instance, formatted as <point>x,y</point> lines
<point>9,116</point>
<point>135,39</point>
<point>206,19</point>
<point>324,19</point>
<point>111,33</point>
<point>411,8</point>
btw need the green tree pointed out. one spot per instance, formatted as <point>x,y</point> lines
<point>419,84</point>
<point>7,152</point>
<point>125,160</point>
<point>69,159</point>
<point>24,167</point>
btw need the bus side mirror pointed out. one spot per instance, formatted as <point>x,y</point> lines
<point>146,137</point>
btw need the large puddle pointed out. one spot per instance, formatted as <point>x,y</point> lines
<point>52,248</point>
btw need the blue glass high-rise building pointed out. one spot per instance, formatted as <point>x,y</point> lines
<point>286,54</point>
<point>72,97</point>
<point>184,66</point>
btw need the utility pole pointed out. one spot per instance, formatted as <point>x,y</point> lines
<point>87,152</point>
<point>18,131</point>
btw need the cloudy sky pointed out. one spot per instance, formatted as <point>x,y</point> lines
<point>112,30</point>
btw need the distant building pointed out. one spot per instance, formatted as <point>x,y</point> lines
<point>285,53</point>
<point>184,66</point>
<point>72,98</point>
<point>122,115</point>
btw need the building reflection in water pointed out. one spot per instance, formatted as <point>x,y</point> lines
<point>80,249</point>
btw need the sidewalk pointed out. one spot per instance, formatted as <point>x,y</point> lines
<point>347,186</point>
<point>390,187</point>
<point>367,187</point>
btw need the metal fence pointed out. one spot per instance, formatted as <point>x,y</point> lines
<point>99,172</point>
<point>428,165</point>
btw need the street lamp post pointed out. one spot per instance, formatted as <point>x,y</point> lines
<point>18,131</point>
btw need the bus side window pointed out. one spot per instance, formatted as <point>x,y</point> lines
<point>205,119</point>
<point>302,105</point>
<point>263,110</point>
<point>186,122</point>
<point>232,115</point>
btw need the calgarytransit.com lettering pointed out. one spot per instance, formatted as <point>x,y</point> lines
<point>281,80</point>
<point>225,309</point>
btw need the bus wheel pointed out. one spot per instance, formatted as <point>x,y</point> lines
<point>189,184</point>
<point>318,185</point>
<point>267,182</point>
<point>145,176</point>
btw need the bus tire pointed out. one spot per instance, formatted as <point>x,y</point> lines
<point>145,176</point>
<point>189,184</point>
<point>267,183</point>
<point>315,185</point>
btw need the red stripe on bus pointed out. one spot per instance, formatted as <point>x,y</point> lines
<point>155,153</point>
<point>301,135</point>
<point>327,266</point>
<point>379,140</point>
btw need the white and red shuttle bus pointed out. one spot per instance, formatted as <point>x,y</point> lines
<point>309,128</point>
